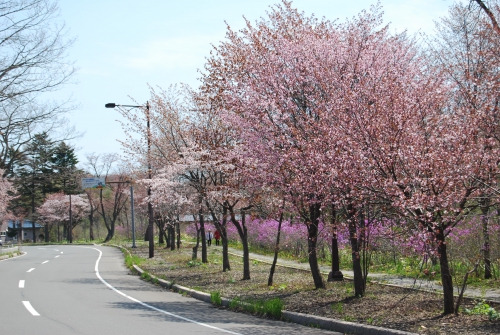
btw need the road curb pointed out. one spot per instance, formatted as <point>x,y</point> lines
<point>6,257</point>
<point>298,318</point>
<point>339,325</point>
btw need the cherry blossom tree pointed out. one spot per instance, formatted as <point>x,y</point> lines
<point>55,209</point>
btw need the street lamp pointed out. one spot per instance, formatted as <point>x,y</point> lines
<point>150,206</point>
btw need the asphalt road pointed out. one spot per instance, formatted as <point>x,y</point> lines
<point>87,290</point>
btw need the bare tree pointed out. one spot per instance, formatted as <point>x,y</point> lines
<point>33,47</point>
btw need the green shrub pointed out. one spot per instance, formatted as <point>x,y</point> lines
<point>216,298</point>
<point>273,307</point>
<point>482,308</point>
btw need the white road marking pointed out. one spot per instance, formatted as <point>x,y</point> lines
<point>30,270</point>
<point>21,284</point>
<point>56,250</point>
<point>30,308</point>
<point>57,256</point>
<point>45,262</point>
<point>149,306</point>
<point>61,252</point>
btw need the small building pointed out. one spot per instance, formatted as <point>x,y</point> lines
<point>24,230</point>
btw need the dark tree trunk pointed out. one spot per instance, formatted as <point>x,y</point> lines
<point>276,251</point>
<point>33,213</point>
<point>446,278</point>
<point>195,248</point>
<point>111,233</point>
<point>167,236</point>
<point>312,239</point>
<point>359,287</point>
<point>146,234</point>
<point>221,227</point>
<point>226,266</point>
<point>91,225</point>
<point>486,245</point>
<point>243,233</point>
<point>335,274</point>
<point>160,223</point>
<point>172,236</point>
<point>204,258</point>
<point>178,229</point>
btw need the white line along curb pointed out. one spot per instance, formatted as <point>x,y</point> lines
<point>149,306</point>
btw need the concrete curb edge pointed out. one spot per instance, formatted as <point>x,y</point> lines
<point>294,317</point>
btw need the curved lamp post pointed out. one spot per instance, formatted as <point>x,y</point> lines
<point>150,206</point>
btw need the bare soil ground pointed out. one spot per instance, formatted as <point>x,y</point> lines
<point>384,306</point>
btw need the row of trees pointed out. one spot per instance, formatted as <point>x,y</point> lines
<point>34,157</point>
<point>345,123</point>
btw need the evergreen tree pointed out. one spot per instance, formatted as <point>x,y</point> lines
<point>34,177</point>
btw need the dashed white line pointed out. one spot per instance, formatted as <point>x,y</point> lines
<point>61,252</point>
<point>45,262</point>
<point>152,307</point>
<point>57,256</point>
<point>30,270</point>
<point>30,308</point>
<point>21,284</point>
<point>56,249</point>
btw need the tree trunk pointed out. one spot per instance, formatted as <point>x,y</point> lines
<point>243,233</point>
<point>33,213</point>
<point>160,223</point>
<point>226,266</point>
<point>335,274</point>
<point>172,236</point>
<point>359,287</point>
<point>178,228</point>
<point>167,236</point>
<point>276,251</point>
<point>111,233</point>
<point>312,239</point>
<point>486,245</point>
<point>91,225</point>
<point>195,248</point>
<point>446,278</point>
<point>221,227</point>
<point>204,258</point>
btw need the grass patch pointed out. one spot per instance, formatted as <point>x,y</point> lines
<point>338,307</point>
<point>216,298</point>
<point>130,260</point>
<point>270,307</point>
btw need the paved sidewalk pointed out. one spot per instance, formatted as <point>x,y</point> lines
<point>422,284</point>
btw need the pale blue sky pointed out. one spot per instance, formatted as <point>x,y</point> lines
<point>123,45</point>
